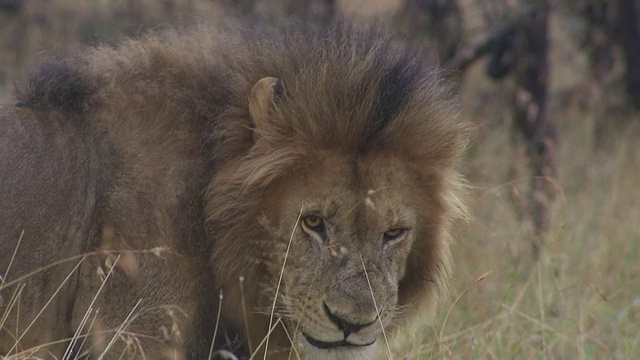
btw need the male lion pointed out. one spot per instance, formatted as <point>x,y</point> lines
<point>169,189</point>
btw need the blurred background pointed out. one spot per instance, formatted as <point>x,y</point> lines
<point>549,264</point>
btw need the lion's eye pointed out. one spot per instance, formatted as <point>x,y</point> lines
<point>314,223</point>
<point>393,234</point>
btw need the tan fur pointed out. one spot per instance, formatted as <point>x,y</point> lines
<point>180,163</point>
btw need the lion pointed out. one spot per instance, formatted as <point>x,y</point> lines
<point>211,190</point>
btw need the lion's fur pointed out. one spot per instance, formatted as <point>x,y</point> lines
<point>148,151</point>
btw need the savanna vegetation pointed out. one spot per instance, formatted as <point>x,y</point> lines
<point>577,296</point>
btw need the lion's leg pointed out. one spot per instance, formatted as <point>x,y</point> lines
<point>146,308</point>
<point>36,313</point>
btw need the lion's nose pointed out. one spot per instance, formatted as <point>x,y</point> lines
<point>344,325</point>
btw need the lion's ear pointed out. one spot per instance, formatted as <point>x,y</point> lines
<point>261,101</point>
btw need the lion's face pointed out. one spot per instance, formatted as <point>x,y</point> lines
<point>342,215</point>
<point>350,224</point>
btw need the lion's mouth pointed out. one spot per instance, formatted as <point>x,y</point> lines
<point>332,344</point>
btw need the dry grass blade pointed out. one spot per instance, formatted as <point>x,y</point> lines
<point>446,318</point>
<point>68,351</point>
<point>384,333</point>
<point>299,320</point>
<point>84,338</point>
<point>46,304</point>
<point>15,296</point>
<point>120,330</point>
<point>291,340</point>
<point>69,259</point>
<point>244,315</point>
<point>13,256</point>
<point>89,309</point>
<point>264,340</point>
<point>215,330</point>
<point>543,343</point>
<point>275,296</point>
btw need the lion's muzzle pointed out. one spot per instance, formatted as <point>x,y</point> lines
<point>344,325</point>
<point>353,335</point>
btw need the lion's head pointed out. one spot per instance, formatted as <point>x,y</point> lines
<point>341,198</point>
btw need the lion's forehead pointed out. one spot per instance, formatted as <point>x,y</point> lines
<point>357,177</point>
<point>371,183</point>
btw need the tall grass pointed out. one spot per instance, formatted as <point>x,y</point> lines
<point>582,299</point>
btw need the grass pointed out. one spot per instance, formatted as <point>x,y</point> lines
<point>582,299</point>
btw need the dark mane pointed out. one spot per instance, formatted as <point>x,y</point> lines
<point>57,84</point>
<point>355,74</point>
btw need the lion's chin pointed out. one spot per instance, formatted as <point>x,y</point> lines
<point>308,351</point>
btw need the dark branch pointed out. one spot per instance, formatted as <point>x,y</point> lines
<point>484,43</point>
